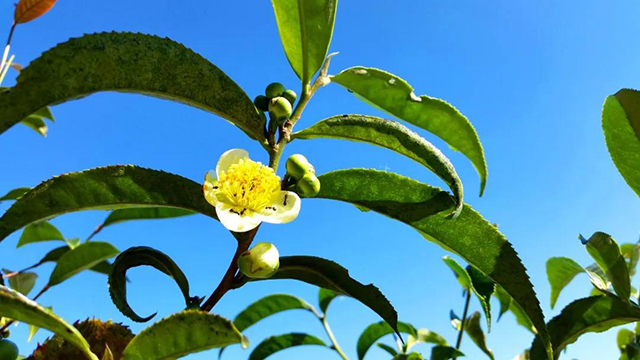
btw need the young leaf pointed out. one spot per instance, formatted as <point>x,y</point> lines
<point>37,124</point>
<point>16,306</point>
<point>460,273</point>
<point>305,28</point>
<point>60,75</point>
<point>112,187</point>
<point>42,231</point>
<point>180,334</point>
<point>267,306</point>
<point>330,275</point>
<point>83,257</point>
<point>424,336</point>
<point>473,329</point>
<point>592,314</point>
<point>456,324</point>
<point>606,252</point>
<point>424,208</point>
<point>325,297</point>
<point>631,252</point>
<point>391,135</point>
<point>139,256</point>
<point>14,194</point>
<point>625,337</point>
<point>145,213</point>
<point>376,331</point>
<point>440,352</point>
<point>395,96</point>
<point>560,272</point>
<point>28,10</point>
<point>483,287</point>
<point>274,344</point>
<point>412,356</point>
<point>621,126</point>
<point>23,282</point>
<point>387,348</point>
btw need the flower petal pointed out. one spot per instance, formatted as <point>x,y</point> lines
<point>210,182</point>
<point>237,219</point>
<point>229,158</point>
<point>284,209</point>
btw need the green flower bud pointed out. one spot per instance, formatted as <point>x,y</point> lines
<point>8,350</point>
<point>290,95</point>
<point>261,102</point>
<point>280,108</point>
<point>298,166</point>
<point>260,262</point>
<point>308,185</point>
<point>274,90</point>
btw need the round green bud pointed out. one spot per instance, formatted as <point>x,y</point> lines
<point>8,350</point>
<point>290,95</point>
<point>280,108</point>
<point>308,185</point>
<point>274,90</point>
<point>260,262</point>
<point>261,102</point>
<point>298,166</point>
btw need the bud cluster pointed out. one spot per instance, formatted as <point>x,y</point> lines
<point>301,176</point>
<point>278,102</point>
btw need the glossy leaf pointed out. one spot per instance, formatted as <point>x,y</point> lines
<point>395,96</point>
<point>621,125</point>
<point>42,231</point>
<point>28,10</point>
<point>592,314</point>
<point>36,124</point>
<point>145,213</point>
<point>83,257</point>
<point>112,187</point>
<point>16,306</point>
<point>391,135</point>
<point>305,29</point>
<point>424,208</point>
<point>267,306</point>
<point>23,282</point>
<point>460,273</point>
<point>14,194</point>
<point>440,352</point>
<point>376,331</point>
<point>473,329</point>
<point>168,70</point>
<point>325,297</point>
<point>606,252</point>
<point>274,344</point>
<point>483,287</point>
<point>181,334</point>
<point>139,256</point>
<point>560,272</point>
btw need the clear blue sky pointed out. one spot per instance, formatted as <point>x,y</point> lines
<point>531,76</point>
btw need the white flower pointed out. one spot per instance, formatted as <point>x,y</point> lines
<point>246,193</point>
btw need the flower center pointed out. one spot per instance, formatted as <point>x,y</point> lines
<point>248,184</point>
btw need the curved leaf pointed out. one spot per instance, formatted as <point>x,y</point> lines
<point>36,124</point>
<point>330,275</point>
<point>625,337</point>
<point>111,187</point>
<point>507,304</point>
<point>133,63</point>
<point>42,231</point>
<point>391,135</point>
<point>592,314</point>
<point>15,306</point>
<point>621,126</point>
<point>460,273</point>
<point>483,287</point>
<point>476,334</point>
<point>180,334</point>
<point>267,306</point>
<point>148,213</point>
<point>424,336</point>
<point>14,194</point>
<point>424,208</point>
<point>305,29</point>
<point>560,272</point>
<point>388,349</point>
<point>606,252</point>
<point>325,297</point>
<point>412,356</point>
<point>376,331</point>
<point>504,299</point>
<point>395,96</point>
<point>28,10</point>
<point>139,256</point>
<point>84,257</point>
<point>440,352</point>
<point>274,344</point>
<point>23,282</point>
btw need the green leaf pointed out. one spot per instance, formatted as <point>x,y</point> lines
<point>23,282</point>
<point>473,329</point>
<point>147,213</point>
<point>395,96</point>
<point>391,135</point>
<point>460,273</point>
<point>621,126</point>
<point>412,356</point>
<point>14,194</point>
<point>134,63</point>
<point>54,255</point>
<point>483,287</point>
<point>16,306</point>
<point>112,187</point>
<point>424,336</point>
<point>424,208</point>
<point>592,314</point>
<point>440,352</point>
<point>560,272</point>
<point>631,252</point>
<point>625,337</point>
<point>376,331</point>
<point>606,252</point>
<point>83,257</point>
<point>139,256</point>
<point>325,297</point>
<point>305,29</point>
<point>267,306</point>
<point>388,349</point>
<point>38,232</point>
<point>456,324</point>
<point>37,124</point>
<point>504,299</point>
<point>180,334</point>
<point>330,275</point>
<point>274,344</point>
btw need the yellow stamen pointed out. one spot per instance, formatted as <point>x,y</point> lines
<point>249,185</point>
